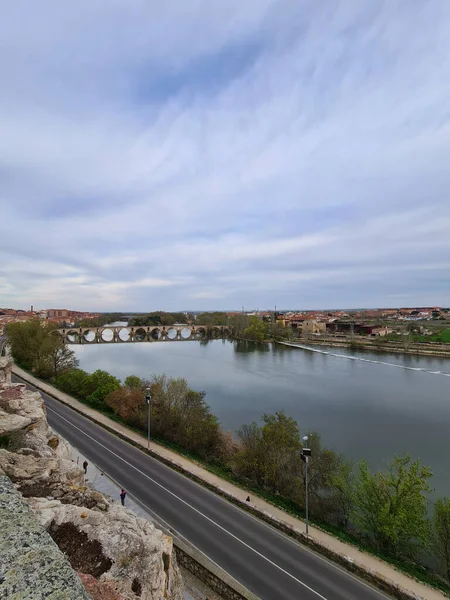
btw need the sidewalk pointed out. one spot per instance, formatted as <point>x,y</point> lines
<point>352,555</point>
<point>101,482</point>
<point>194,589</point>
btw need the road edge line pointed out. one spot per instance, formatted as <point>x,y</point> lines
<point>373,577</point>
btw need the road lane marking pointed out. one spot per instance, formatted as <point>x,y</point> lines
<point>280,533</point>
<point>191,507</point>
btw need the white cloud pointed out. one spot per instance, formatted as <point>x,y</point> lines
<point>153,154</point>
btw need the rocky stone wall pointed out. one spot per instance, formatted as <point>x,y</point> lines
<point>117,555</point>
<point>31,564</point>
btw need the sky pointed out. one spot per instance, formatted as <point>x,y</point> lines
<point>198,155</point>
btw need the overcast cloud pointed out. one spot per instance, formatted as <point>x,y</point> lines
<point>191,154</point>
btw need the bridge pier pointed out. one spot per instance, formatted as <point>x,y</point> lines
<point>148,333</point>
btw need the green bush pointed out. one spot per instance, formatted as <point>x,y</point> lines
<point>73,382</point>
<point>97,387</point>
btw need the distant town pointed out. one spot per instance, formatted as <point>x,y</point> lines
<point>372,322</point>
<point>52,315</point>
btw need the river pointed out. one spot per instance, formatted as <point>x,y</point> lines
<point>363,404</point>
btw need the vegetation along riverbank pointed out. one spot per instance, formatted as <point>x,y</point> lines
<point>384,511</point>
<point>380,345</point>
<point>408,338</point>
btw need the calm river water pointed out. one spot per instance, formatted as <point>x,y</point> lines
<point>363,404</point>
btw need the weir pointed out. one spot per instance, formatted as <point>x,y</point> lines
<point>360,359</point>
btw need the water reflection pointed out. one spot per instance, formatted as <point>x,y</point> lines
<point>368,405</point>
<point>246,347</point>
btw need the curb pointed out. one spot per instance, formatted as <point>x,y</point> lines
<point>211,574</point>
<point>371,576</point>
<point>187,555</point>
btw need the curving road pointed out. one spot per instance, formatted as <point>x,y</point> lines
<point>267,562</point>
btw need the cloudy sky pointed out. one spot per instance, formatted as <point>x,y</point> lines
<point>198,154</point>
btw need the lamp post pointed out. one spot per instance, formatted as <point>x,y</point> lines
<point>147,400</point>
<point>306,453</point>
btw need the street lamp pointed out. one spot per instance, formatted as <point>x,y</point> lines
<point>306,453</point>
<point>147,400</point>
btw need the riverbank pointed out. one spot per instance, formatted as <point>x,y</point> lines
<point>365,565</point>
<point>430,349</point>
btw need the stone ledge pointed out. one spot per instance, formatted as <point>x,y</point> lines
<point>32,566</point>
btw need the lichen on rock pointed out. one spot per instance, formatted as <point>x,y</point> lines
<point>31,565</point>
<point>116,547</point>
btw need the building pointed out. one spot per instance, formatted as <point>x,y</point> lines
<point>57,312</point>
<point>311,326</point>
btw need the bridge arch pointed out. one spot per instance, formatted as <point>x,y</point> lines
<point>140,334</point>
<point>150,333</point>
<point>107,335</point>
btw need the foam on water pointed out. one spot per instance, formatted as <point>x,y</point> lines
<point>375,362</point>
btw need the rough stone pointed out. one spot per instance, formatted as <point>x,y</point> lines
<point>99,590</point>
<point>128,557</point>
<point>24,414</point>
<point>11,423</point>
<point>31,564</point>
<point>29,471</point>
<point>5,369</point>
<point>141,557</point>
<point>23,418</point>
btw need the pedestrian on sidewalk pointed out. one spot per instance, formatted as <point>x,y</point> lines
<point>85,466</point>
<point>122,496</point>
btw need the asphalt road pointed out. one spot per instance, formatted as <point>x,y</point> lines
<point>267,562</point>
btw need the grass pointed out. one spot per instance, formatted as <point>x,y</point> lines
<point>441,337</point>
<point>438,337</point>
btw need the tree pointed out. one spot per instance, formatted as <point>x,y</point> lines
<point>72,382</point>
<point>133,382</point>
<point>166,393</point>
<point>249,457</point>
<point>37,346</point>
<point>60,357</point>
<point>214,318</point>
<point>441,533</point>
<point>26,341</point>
<point>101,320</point>
<point>281,333</point>
<point>182,415</point>
<point>341,483</point>
<point>129,404</point>
<point>270,455</point>
<point>391,508</point>
<point>323,467</point>
<point>197,429</point>
<point>413,327</point>
<point>238,324</point>
<point>98,386</point>
<point>282,449</point>
<point>257,330</point>
<point>157,318</point>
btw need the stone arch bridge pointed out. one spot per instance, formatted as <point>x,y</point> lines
<point>150,333</point>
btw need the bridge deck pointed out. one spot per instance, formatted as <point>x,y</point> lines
<point>148,333</point>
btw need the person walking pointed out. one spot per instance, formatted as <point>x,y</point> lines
<point>122,496</point>
<point>85,466</point>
